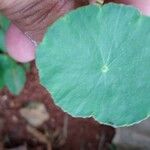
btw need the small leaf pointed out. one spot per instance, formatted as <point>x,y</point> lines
<point>95,61</point>
<point>15,79</point>
<point>11,74</point>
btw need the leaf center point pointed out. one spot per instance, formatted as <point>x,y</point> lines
<point>104,69</point>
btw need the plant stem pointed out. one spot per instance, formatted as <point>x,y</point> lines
<point>100,1</point>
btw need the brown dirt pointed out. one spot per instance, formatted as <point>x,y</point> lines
<point>78,134</point>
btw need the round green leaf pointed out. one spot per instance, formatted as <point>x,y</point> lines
<point>95,61</point>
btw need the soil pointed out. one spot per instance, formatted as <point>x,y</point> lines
<point>61,131</point>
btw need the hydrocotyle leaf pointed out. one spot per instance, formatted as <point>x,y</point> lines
<point>95,61</point>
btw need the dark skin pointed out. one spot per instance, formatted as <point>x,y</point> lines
<point>34,16</point>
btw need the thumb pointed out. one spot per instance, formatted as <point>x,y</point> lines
<point>143,5</point>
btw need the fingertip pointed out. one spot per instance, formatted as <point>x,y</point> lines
<point>19,46</point>
<point>144,6</point>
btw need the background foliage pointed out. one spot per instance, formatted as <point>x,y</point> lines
<point>12,74</point>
